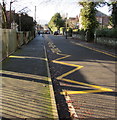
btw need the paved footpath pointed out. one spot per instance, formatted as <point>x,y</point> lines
<point>26,84</point>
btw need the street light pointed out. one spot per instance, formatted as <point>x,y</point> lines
<point>10,11</point>
<point>66,24</point>
<point>19,22</point>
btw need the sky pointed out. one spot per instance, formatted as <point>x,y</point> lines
<point>45,9</point>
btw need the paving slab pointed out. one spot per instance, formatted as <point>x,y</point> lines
<point>26,84</point>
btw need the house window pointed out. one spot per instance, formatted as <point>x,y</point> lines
<point>100,20</point>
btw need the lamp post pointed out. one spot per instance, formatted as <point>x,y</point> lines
<point>66,24</point>
<point>35,13</point>
<point>10,11</point>
<point>19,22</point>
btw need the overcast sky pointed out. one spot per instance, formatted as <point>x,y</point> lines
<point>45,9</point>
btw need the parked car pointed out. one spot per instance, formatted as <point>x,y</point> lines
<point>47,32</point>
<point>41,32</point>
<point>56,33</point>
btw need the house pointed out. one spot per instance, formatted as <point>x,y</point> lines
<point>39,27</point>
<point>10,18</point>
<point>46,27</point>
<point>102,18</point>
<point>73,22</point>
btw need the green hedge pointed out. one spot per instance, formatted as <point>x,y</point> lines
<point>75,31</point>
<point>78,31</point>
<point>69,30</point>
<point>82,32</point>
<point>112,33</point>
<point>62,30</point>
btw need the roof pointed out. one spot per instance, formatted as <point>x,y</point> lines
<point>100,14</point>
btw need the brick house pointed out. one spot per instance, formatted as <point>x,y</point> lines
<point>102,18</point>
<point>73,22</point>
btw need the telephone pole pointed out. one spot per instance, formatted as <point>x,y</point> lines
<point>35,13</point>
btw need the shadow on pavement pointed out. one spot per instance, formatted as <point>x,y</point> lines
<point>25,86</point>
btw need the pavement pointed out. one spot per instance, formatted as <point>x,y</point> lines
<point>26,84</point>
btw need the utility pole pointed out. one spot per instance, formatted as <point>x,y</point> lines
<point>35,13</point>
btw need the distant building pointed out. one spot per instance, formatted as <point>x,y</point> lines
<point>102,18</point>
<point>39,28</point>
<point>73,22</point>
<point>46,27</point>
<point>10,20</point>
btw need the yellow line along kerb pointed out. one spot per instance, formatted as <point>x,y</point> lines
<point>96,50</point>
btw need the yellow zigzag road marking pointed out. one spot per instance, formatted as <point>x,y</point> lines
<point>100,89</point>
<point>89,85</point>
<point>82,92</point>
<point>68,73</point>
<point>62,57</point>
<point>68,64</point>
<point>61,77</point>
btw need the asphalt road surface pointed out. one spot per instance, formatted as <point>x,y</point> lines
<point>83,78</point>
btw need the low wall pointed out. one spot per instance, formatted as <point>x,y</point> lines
<point>106,41</point>
<point>11,40</point>
<point>99,40</point>
<point>81,37</point>
<point>20,39</point>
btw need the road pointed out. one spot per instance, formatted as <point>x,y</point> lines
<point>83,78</point>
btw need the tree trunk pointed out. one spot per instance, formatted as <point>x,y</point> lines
<point>89,37</point>
<point>114,15</point>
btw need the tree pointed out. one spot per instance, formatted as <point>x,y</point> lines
<point>27,23</point>
<point>4,18</point>
<point>114,13</point>
<point>89,22</point>
<point>56,22</point>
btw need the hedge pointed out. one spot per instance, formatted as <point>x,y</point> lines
<point>112,33</point>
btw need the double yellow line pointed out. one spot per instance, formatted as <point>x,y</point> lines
<point>95,50</point>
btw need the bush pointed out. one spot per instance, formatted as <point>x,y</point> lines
<point>75,31</point>
<point>112,33</point>
<point>78,31</point>
<point>69,29</point>
<point>62,30</point>
<point>82,32</point>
